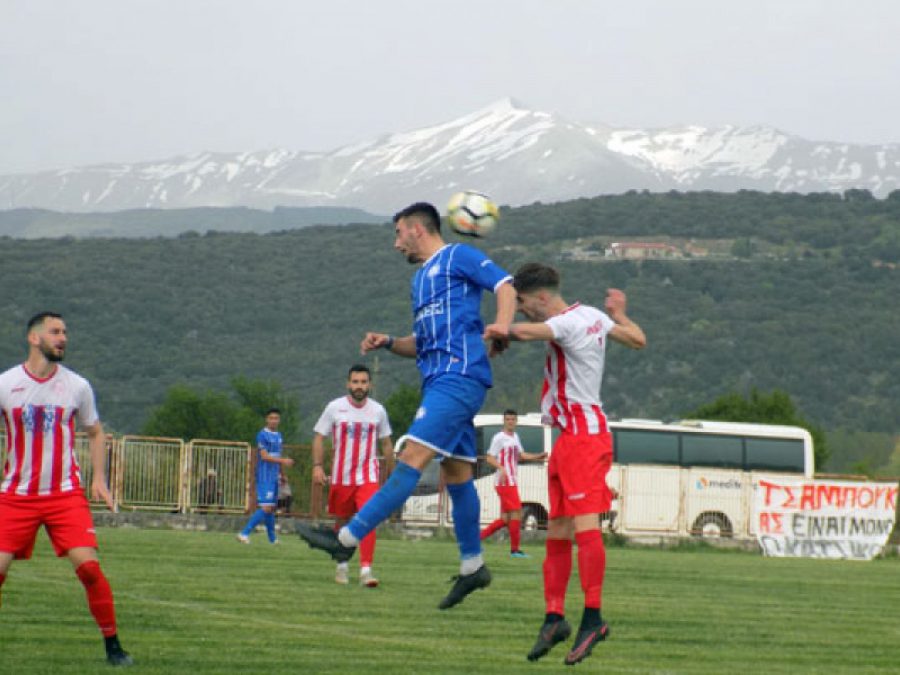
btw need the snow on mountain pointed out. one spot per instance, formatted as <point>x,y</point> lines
<point>516,154</point>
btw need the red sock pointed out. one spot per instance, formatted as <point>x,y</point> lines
<point>99,595</point>
<point>515,534</point>
<point>367,550</point>
<point>591,565</point>
<point>493,527</point>
<point>557,569</point>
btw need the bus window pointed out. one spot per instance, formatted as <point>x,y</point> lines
<point>484,435</point>
<point>775,454</point>
<point>645,447</point>
<point>532,439</point>
<point>712,450</point>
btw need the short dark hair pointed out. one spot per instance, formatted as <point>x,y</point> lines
<point>271,411</point>
<point>510,411</point>
<point>39,318</point>
<point>535,276</point>
<point>424,212</point>
<point>359,368</point>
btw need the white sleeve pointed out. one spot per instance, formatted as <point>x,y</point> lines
<point>326,422</point>
<point>496,445</point>
<point>87,405</point>
<point>384,425</point>
<point>562,327</point>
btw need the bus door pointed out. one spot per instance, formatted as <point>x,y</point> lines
<point>650,498</point>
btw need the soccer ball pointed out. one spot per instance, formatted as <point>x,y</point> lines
<point>472,214</point>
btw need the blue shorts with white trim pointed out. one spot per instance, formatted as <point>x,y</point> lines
<point>443,421</point>
<point>267,494</point>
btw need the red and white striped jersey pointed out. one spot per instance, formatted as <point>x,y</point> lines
<point>354,433</point>
<point>40,416</point>
<point>506,448</point>
<point>570,399</point>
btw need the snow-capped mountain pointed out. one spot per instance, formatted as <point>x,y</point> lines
<point>517,155</point>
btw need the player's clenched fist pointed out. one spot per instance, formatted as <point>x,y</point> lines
<point>373,341</point>
<point>615,302</point>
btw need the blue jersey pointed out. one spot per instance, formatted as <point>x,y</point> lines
<point>446,303</point>
<point>267,472</point>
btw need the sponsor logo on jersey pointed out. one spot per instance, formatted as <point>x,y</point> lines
<point>432,309</point>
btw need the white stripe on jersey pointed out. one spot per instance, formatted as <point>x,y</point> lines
<point>506,448</point>
<point>354,434</point>
<point>573,371</point>
<point>39,416</point>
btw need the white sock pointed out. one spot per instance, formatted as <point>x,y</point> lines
<point>343,567</point>
<point>470,565</point>
<point>365,570</point>
<point>346,538</point>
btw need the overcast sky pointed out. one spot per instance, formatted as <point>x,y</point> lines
<point>130,80</point>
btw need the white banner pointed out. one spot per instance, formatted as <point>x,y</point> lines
<point>824,518</point>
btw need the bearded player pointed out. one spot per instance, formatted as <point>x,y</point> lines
<point>582,455</point>
<point>41,400</point>
<point>357,425</point>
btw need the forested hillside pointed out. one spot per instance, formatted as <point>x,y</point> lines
<point>799,293</point>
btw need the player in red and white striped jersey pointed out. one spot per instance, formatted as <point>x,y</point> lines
<point>504,454</point>
<point>357,426</point>
<point>582,455</point>
<point>40,402</point>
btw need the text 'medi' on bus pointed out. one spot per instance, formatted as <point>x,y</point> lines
<point>690,477</point>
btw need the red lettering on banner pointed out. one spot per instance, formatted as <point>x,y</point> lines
<point>831,494</point>
<point>808,498</point>
<point>890,499</point>
<point>789,500</point>
<point>767,500</point>
<point>866,492</point>
<point>770,522</point>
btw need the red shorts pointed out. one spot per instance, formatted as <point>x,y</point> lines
<point>67,518</point>
<point>346,500</point>
<point>509,498</point>
<point>576,475</point>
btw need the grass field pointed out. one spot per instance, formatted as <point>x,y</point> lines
<point>199,602</point>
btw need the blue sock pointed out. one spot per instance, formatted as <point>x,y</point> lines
<point>255,520</point>
<point>466,511</point>
<point>388,499</point>
<point>269,519</point>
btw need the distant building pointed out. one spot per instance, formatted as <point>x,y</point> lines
<point>641,250</point>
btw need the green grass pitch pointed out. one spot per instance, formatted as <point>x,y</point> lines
<point>200,602</point>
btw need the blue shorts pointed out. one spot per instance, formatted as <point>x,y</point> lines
<point>267,494</point>
<point>443,421</point>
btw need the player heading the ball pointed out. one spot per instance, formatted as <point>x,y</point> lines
<point>447,343</point>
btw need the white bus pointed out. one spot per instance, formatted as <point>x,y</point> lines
<point>681,478</point>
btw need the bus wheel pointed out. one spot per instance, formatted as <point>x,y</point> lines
<point>712,525</point>
<point>534,517</point>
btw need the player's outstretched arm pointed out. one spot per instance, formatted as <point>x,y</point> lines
<point>529,332</point>
<point>401,346</point>
<point>97,445</point>
<point>498,332</point>
<point>626,331</point>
